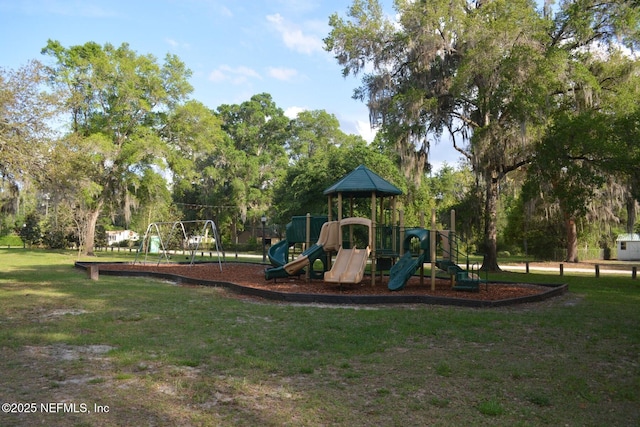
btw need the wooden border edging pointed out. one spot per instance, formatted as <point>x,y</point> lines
<point>553,291</point>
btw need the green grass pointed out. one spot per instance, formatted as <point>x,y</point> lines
<point>159,354</point>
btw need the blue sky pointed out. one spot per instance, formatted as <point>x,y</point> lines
<point>234,48</point>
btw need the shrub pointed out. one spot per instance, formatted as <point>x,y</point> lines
<point>55,239</point>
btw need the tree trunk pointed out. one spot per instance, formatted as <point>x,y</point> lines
<point>90,231</point>
<point>572,240</point>
<point>490,261</point>
<point>631,213</point>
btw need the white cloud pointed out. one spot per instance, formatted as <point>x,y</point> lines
<point>365,130</point>
<point>293,37</point>
<point>236,76</point>
<point>292,112</point>
<point>225,11</point>
<point>284,74</point>
<point>176,44</point>
<point>217,76</point>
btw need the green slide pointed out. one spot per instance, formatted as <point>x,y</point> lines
<point>408,264</point>
<point>403,270</point>
<point>308,257</point>
<point>279,253</point>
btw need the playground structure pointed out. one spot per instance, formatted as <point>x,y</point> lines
<point>350,262</point>
<point>388,247</point>
<point>303,229</point>
<point>445,255</point>
<point>161,236</point>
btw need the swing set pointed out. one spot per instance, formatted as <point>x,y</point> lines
<point>160,236</point>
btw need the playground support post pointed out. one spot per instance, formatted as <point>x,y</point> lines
<point>453,241</point>
<point>401,232</point>
<point>452,226</point>
<point>263,219</point>
<point>432,245</point>
<point>372,238</point>
<point>308,243</point>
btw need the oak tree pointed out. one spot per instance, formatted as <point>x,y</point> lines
<point>116,100</point>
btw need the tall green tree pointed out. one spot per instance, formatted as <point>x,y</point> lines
<point>628,132</point>
<point>474,73</point>
<point>254,157</point>
<point>116,100</point>
<point>623,102</point>
<point>26,108</point>
<point>301,190</point>
<point>485,74</point>
<point>593,136</point>
<point>313,131</point>
<point>568,168</point>
<point>197,149</point>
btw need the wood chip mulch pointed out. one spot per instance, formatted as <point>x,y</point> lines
<point>252,275</point>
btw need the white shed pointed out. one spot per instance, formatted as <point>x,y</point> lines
<point>628,246</point>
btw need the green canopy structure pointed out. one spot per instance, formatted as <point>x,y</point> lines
<point>363,183</point>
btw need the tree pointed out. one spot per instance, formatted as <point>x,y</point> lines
<point>313,131</point>
<point>30,232</point>
<point>593,136</point>
<point>627,131</point>
<point>196,141</point>
<point>487,75</point>
<point>301,189</point>
<point>25,109</point>
<point>116,100</point>
<point>475,72</point>
<point>254,156</point>
<point>567,170</point>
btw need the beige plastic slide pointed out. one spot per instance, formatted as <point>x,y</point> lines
<point>349,266</point>
<point>328,240</point>
<point>296,265</point>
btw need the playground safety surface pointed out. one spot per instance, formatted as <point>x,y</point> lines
<point>248,280</point>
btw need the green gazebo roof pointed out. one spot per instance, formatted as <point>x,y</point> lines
<point>361,182</point>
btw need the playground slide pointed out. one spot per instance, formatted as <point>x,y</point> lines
<point>279,253</point>
<point>403,270</point>
<point>314,252</point>
<point>349,266</point>
<point>297,265</point>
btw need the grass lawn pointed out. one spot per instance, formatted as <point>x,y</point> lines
<point>135,351</point>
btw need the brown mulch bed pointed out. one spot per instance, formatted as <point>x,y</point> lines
<point>252,275</point>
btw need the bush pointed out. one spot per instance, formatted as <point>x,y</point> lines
<point>55,239</point>
<point>11,240</point>
<point>541,243</point>
<point>29,232</point>
<point>252,244</point>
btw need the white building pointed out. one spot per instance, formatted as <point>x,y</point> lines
<point>628,246</point>
<point>114,237</point>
